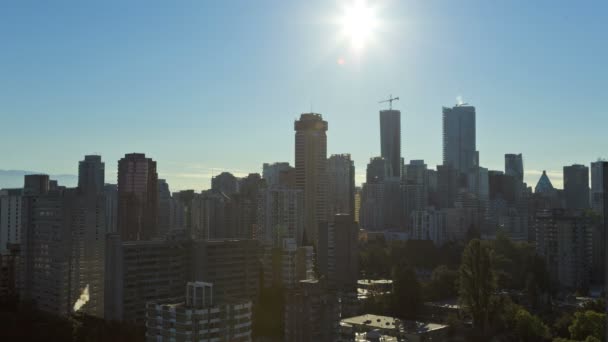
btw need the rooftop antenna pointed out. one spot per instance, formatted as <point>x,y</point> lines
<point>390,101</point>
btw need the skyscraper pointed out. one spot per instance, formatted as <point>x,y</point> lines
<point>576,186</point>
<point>597,186</point>
<point>137,197</point>
<point>311,177</point>
<point>91,174</point>
<point>225,182</point>
<point>390,140</point>
<point>514,166</point>
<point>341,185</point>
<point>459,149</point>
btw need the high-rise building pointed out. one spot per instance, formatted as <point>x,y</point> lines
<point>597,186</point>
<point>200,318</point>
<point>514,166</point>
<point>429,224</point>
<point>390,140</point>
<point>459,149</point>
<point>415,183</point>
<point>377,170</point>
<point>10,218</point>
<point>346,255</point>
<point>63,248</point>
<point>111,195</point>
<point>311,313</point>
<point>142,271</point>
<point>341,185</point>
<point>276,174</point>
<point>576,186</point>
<point>225,182</point>
<point>137,197</point>
<point>91,174</point>
<point>564,239</point>
<point>280,215</point>
<point>164,207</point>
<point>544,185</point>
<point>311,176</point>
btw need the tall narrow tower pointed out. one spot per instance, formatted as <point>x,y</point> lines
<point>311,160</point>
<point>390,140</point>
<point>91,175</point>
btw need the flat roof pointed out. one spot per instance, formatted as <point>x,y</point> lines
<point>385,322</point>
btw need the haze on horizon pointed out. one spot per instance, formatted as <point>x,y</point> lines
<point>202,88</point>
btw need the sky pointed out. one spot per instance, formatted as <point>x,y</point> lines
<point>209,86</point>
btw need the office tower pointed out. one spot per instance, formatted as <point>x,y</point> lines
<point>597,186</point>
<point>341,185</point>
<point>514,166</point>
<point>276,174</point>
<point>311,177</point>
<point>91,174</point>
<point>231,265</point>
<point>459,149</point>
<point>164,207</point>
<point>9,272</point>
<point>311,313</point>
<point>390,140</point>
<point>111,195</point>
<point>137,197</point>
<point>10,218</point>
<point>200,318</point>
<point>372,207</point>
<point>576,186</point>
<point>377,170</point>
<point>564,239</point>
<point>225,182</point>
<point>141,271</point>
<point>280,215</point>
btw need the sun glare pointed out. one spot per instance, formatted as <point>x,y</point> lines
<point>358,23</point>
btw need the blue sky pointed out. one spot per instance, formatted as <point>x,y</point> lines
<point>205,86</point>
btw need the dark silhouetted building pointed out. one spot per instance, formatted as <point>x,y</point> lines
<point>91,174</point>
<point>137,197</point>
<point>225,182</point>
<point>576,186</point>
<point>390,140</point>
<point>341,185</point>
<point>514,166</point>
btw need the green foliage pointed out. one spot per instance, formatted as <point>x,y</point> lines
<point>477,282</point>
<point>406,298</point>
<point>529,327</point>
<point>443,284</point>
<point>588,323</point>
<point>560,326</point>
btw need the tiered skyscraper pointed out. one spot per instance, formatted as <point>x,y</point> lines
<point>137,197</point>
<point>311,177</point>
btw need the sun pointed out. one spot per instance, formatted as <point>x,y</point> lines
<point>358,23</point>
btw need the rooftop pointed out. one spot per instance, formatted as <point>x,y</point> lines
<point>385,322</point>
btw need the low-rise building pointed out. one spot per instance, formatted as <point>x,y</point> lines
<point>199,318</point>
<point>352,328</point>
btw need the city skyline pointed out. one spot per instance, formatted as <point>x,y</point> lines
<point>189,93</point>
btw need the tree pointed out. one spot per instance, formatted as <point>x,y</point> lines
<point>443,283</point>
<point>406,293</point>
<point>588,323</point>
<point>529,327</point>
<point>477,282</point>
<point>560,327</point>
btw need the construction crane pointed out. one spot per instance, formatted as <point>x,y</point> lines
<point>390,101</point>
